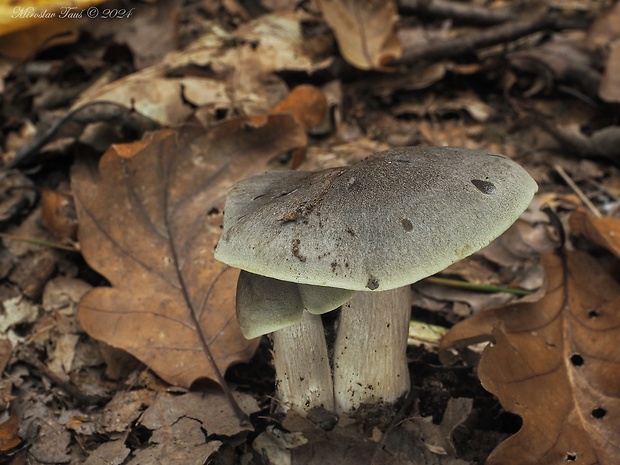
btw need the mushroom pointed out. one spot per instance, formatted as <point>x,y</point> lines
<point>306,241</point>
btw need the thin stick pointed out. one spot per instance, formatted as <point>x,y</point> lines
<point>476,287</point>
<point>577,190</point>
<point>40,242</point>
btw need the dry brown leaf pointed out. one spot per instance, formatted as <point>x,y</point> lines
<point>188,429</point>
<point>306,103</point>
<point>9,433</point>
<point>365,31</point>
<point>556,363</point>
<point>149,224</point>
<point>58,214</point>
<point>604,232</point>
<point>237,79</point>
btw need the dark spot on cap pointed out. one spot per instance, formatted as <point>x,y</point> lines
<point>407,225</point>
<point>486,187</point>
<point>373,283</point>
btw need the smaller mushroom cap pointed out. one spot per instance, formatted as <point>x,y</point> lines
<point>390,220</point>
<point>265,305</point>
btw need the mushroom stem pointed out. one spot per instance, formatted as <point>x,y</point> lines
<point>303,374</point>
<point>370,360</point>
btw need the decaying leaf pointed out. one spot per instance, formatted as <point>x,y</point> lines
<point>58,214</point>
<point>149,224</point>
<point>556,363</point>
<point>235,79</point>
<point>188,429</point>
<point>414,441</point>
<point>9,437</point>
<point>306,103</point>
<point>365,31</point>
<point>604,232</point>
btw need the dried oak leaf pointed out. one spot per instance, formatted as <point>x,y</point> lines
<point>604,232</point>
<point>556,363</point>
<point>365,31</point>
<point>9,433</point>
<point>149,224</point>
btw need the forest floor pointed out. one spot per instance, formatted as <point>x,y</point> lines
<point>97,269</point>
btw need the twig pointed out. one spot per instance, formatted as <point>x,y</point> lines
<point>584,198</point>
<point>502,33</point>
<point>42,243</point>
<point>89,113</point>
<point>467,13</point>
<point>477,287</point>
<point>27,356</point>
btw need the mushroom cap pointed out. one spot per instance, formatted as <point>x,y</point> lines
<point>392,219</point>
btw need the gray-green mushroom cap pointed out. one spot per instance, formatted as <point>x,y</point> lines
<point>385,222</point>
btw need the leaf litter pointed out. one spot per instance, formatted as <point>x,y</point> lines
<point>513,93</point>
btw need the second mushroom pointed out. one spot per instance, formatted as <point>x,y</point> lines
<point>357,237</point>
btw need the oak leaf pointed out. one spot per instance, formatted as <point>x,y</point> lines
<point>556,363</point>
<point>604,232</point>
<point>149,224</point>
<point>365,31</point>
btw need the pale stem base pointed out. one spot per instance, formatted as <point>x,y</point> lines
<point>370,360</point>
<point>303,374</point>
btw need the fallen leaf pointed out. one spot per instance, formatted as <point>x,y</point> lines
<point>9,429</point>
<point>124,409</point>
<point>189,428</point>
<point>306,103</point>
<point>58,214</point>
<point>555,363</point>
<point>149,31</point>
<point>149,224</point>
<point>413,441</point>
<point>235,79</point>
<point>365,31</point>
<point>438,438</point>
<point>16,311</point>
<point>111,452</point>
<point>604,232</point>
<point>210,409</point>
